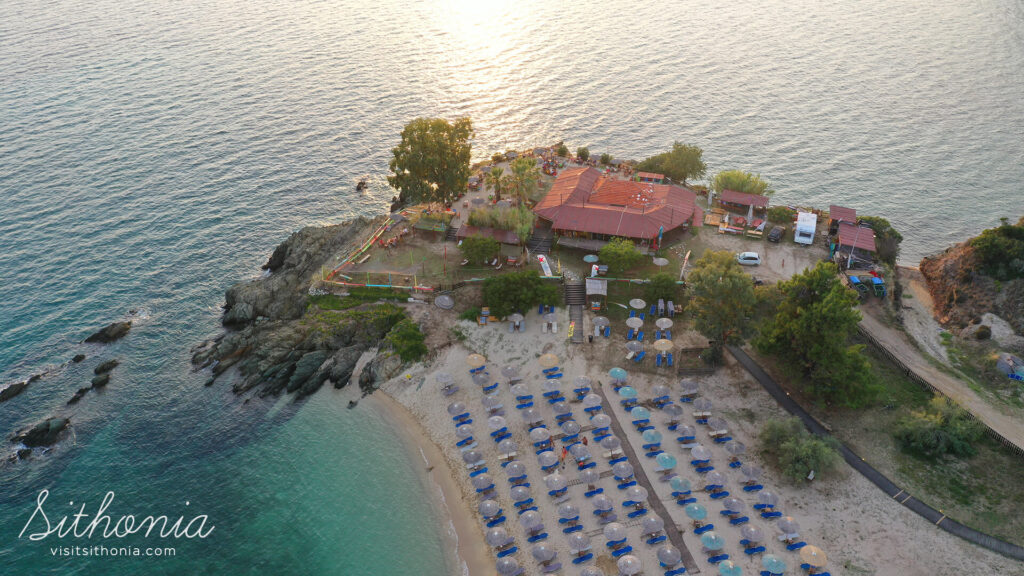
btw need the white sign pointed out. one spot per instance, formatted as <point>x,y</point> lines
<point>596,286</point>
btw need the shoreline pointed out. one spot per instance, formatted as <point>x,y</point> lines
<point>459,525</point>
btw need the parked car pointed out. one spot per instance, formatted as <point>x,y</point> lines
<point>748,258</point>
<point>776,234</point>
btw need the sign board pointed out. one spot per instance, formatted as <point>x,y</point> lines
<point>597,286</point>
<point>544,265</point>
<point>572,328</point>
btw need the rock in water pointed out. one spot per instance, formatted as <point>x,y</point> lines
<point>45,433</point>
<point>105,367</point>
<point>78,358</point>
<point>78,395</point>
<point>115,331</point>
<point>101,380</point>
<point>24,453</point>
<point>12,391</point>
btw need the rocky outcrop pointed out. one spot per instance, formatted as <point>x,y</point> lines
<point>110,333</point>
<point>45,433</point>
<point>277,342</point>
<point>963,293</point>
<point>78,358</point>
<point>12,390</point>
<point>105,367</point>
<point>100,380</point>
<point>384,366</point>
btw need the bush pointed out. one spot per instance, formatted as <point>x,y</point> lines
<point>517,292</point>
<point>661,285</point>
<point>887,239</point>
<point>407,340</point>
<point>781,215</point>
<point>679,164</point>
<point>940,429</point>
<point>562,150</point>
<point>478,248</point>
<point>497,157</point>
<point>984,332</point>
<point>741,181</point>
<point>619,254</point>
<point>796,450</point>
<point>606,159</point>
<point>583,153</point>
<point>356,295</point>
<point>470,314</point>
<point>518,219</point>
<point>1001,250</point>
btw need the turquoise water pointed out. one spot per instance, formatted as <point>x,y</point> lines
<point>152,153</point>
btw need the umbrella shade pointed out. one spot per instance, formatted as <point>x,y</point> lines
<point>714,479</point>
<point>634,322</point>
<point>530,519</point>
<point>673,410</point>
<point>475,360</point>
<point>659,390</point>
<point>663,345</point>
<point>629,565</point>
<point>611,443</point>
<point>627,392</point>
<point>602,502</point>
<point>651,436</point>
<point>472,456</point>
<point>490,401</point>
<point>568,510</point>
<point>601,321</point>
<point>717,423</point>
<point>548,360</point>
<point>551,385</point>
<point>663,323</point>
<point>590,258</point>
<point>773,564</point>
<point>547,458</point>
<point>729,568</point>
<point>640,413</point>
<point>477,201</point>
<point>702,404</point>
<point>751,473</point>
<point>669,555</point>
<point>482,482</point>
<point>509,371</point>
<point>680,484</point>
<point>519,493</point>
<point>633,345</point>
<point>622,469</point>
<point>614,531</point>
<point>497,536</point>
<point>489,508</point>
<point>507,446</point>
<point>515,469</point>
<point>766,498</point>
<point>700,453</point>
<point>601,420</point>
<point>456,408</point>
<point>712,540</point>
<point>652,524</point>
<point>540,435</point>
<point>685,430</point>
<point>788,525</point>
<point>579,541</point>
<point>689,387</point>
<point>507,566</point>
<point>520,389</point>
<point>481,379</point>
<point>496,422</point>
<point>813,556</point>
<point>581,381</point>
<point>531,416</point>
<point>579,451</point>
<point>734,504</point>
<point>636,493</point>
<point>543,552</point>
<point>617,373</point>
<point>638,303</point>
<point>550,317</point>
<point>464,431</point>
<point>696,511</point>
<point>444,378</point>
<point>556,481</point>
<point>591,401</point>
<point>661,262</point>
<point>444,302</point>
<point>589,476</point>
<point>666,461</point>
<point>517,317</point>
<point>571,427</point>
<point>752,533</point>
<point>735,448</point>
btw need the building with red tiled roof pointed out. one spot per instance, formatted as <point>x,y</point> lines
<point>743,199</point>
<point>858,237</point>
<point>582,202</point>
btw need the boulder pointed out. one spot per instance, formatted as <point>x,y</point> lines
<point>24,453</point>
<point>78,358</point>
<point>344,364</point>
<point>105,367</point>
<point>78,395</point>
<point>100,380</point>
<point>45,433</point>
<point>110,333</point>
<point>305,368</point>
<point>12,390</point>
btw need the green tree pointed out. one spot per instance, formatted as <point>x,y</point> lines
<point>796,451</point>
<point>722,299</point>
<point>810,331</point>
<point>781,215</point>
<point>517,292</point>
<point>942,428</point>
<point>1001,250</point>
<point>407,340</point>
<point>661,285</point>
<point>620,254</point>
<point>887,239</point>
<point>605,159</point>
<point>497,157</point>
<point>523,183</point>
<point>680,163</point>
<point>583,153</point>
<point>562,150</point>
<point>496,181</point>
<point>478,249</point>
<point>741,181</point>
<point>431,163</point>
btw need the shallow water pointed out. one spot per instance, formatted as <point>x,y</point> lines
<point>155,152</point>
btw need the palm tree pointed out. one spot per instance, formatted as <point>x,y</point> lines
<point>495,181</point>
<point>524,175</point>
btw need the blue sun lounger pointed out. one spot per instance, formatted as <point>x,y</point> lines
<point>703,529</point>
<point>718,558</point>
<point>676,572</point>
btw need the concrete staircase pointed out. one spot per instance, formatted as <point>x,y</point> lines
<point>575,292</point>
<point>540,242</point>
<point>450,236</point>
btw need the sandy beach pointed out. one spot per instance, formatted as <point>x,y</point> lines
<point>860,528</point>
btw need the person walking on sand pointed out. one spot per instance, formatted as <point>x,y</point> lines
<point>584,440</point>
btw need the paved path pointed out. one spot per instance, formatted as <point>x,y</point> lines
<point>674,534</point>
<point>895,343</point>
<point>876,477</point>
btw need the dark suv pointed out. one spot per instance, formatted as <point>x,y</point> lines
<point>776,234</point>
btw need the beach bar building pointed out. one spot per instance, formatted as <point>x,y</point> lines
<point>650,178</point>
<point>583,203</point>
<point>749,203</point>
<point>837,214</point>
<point>853,244</point>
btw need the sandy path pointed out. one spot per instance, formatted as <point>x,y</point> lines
<point>894,341</point>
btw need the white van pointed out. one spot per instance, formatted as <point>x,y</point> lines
<point>806,227</point>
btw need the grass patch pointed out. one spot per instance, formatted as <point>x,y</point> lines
<point>356,297</point>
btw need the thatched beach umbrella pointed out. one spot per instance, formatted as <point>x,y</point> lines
<point>547,458</point>
<point>464,431</point>
<point>689,387</point>
<point>767,499</point>
<point>578,542</point>
<point>663,323</point>
<point>788,525</point>
<point>456,408</point>
<point>752,533</point>
<point>475,360</point>
<point>540,435</point>
<point>638,303</point>
<point>556,481</point>
<point>591,401</point>
<point>601,321</point>
<point>629,565</point>
<point>611,443</point>
<point>661,262</point>
<point>543,552</point>
<point>515,317</point>
<point>814,556</point>
<point>662,345</point>
<point>515,469</point>
<point>773,564</point>
<point>497,536</point>
<point>507,566</point>
<point>735,448</point>
<point>750,472</point>
<point>444,302</point>
<point>568,511</point>
<point>614,532</point>
<point>634,346</point>
<point>734,505</point>
<point>699,452</point>
<point>496,423</point>
<point>548,360</point>
<point>581,382</point>
<point>669,555</point>
<point>481,379</point>
<point>510,371</point>
<point>634,322</point>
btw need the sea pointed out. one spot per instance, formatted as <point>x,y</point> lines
<point>154,152</point>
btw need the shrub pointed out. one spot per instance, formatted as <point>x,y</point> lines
<point>407,340</point>
<point>583,153</point>
<point>619,254</point>
<point>478,248</point>
<point>796,450</point>
<point>940,429</point>
<point>606,159</point>
<point>517,292</point>
<point>498,157</point>
<point>781,215</point>
<point>470,314</point>
<point>661,285</point>
<point>357,295</point>
<point>518,219</point>
<point>562,150</point>
<point>1001,250</point>
<point>741,181</point>
<point>887,239</point>
<point>984,332</point>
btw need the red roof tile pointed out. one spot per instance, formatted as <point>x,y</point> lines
<point>742,198</point>
<point>650,175</point>
<point>842,214</point>
<point>581,200</point>
<point>860,237</point>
